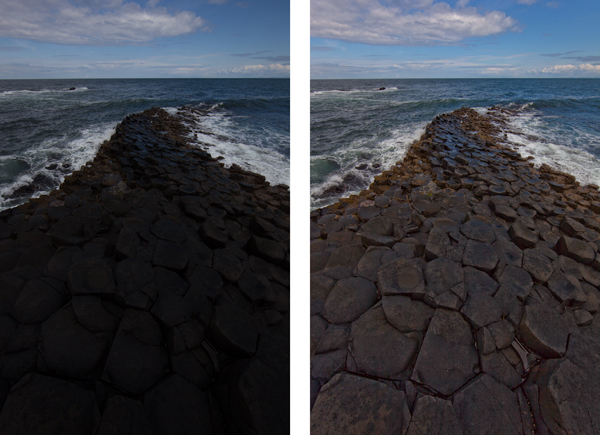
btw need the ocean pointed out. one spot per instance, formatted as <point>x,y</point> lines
<point>50,128</point>
<point>360,128</point>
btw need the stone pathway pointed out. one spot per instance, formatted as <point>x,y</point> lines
<point>149,295</point>
<point>458,294</point>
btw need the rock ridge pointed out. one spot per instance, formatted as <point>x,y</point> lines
<point>148,294</point>
<point>458,293</point>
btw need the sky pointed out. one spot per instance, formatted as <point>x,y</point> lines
<point>144,39</point>
<point>454,39</point>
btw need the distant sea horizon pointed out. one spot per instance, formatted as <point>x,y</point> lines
<point>51,127</point>
<point>361,127</point>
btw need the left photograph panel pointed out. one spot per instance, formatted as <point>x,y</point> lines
<point>144,217</point>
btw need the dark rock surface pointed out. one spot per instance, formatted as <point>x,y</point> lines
<point>152,299</point>
<point>487,272</point>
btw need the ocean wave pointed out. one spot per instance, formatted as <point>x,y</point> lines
<point>254,148</point>
<point>33,92</point>
<point>44,168</point>
<point>568,151</point>
<point>354,167</point>
<point>354,91</point>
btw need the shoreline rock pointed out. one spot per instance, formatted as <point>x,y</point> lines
<point>490,266</point>
<point>149,293</point>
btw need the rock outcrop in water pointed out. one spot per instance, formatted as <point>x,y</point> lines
<point>149,294</point>
<point>458,294</point>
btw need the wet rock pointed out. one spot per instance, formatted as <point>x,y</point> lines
<point>96,315</point>
<point>480,255</point>
<point>522,236</point>
<point>169,255</point>
<point>123,415</point>
<point>537,264</point>
<point>349,299</point>
<point>576,249</point>
<point>70,350</point>
<point>38,300</point>
<point>496,365</point>
<point>401,277</point>
<point>517,280</point>
<point>138,358</point>
<point>485,341</point>
<point>353,404</point>
<point>481,310</point>
<point>30,409</point>
<point>442,275</point>
<point>564,398</point>
<point>566,289</point>
<point>543,330</point>
<point>433,415</point>
<point>505,212</point>
<point>233,330</point>
<point>91,276</point>
<point>503,333</point>
<point>487,406</point>
<point>378,349</point>
<point>374,257</point>
<point>477,281</point>
<point>477,230</point>
<point>176,405</point>
<point>343,260</point>
<point>509,252</point>
<point>447,358</point>
<point>406,314</point>
<point>368,212</point>
<point>134,283</point>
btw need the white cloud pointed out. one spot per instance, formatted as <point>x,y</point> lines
<point>583,70</point>
<point>274,69</point>
<point>84,22</point>
<point>403,22</point>
<point>526,2</point>
<point>552,5</point>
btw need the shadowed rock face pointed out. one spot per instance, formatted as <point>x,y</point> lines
<point>149,294</point>
<point>487,270</point>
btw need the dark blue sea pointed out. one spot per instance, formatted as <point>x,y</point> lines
<point>49,128</point>
<point>359,129</point>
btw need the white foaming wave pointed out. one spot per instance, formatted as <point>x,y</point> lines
<point>352,91</point>
<point>69,156</point>
<point>385,153</point>
<point>534,138</point>
<point>221,136</point>
<point>29,92</point>
<point>171,110</point>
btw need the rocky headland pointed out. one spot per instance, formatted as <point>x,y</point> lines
<point>458,294</point>
<point>149,294</point>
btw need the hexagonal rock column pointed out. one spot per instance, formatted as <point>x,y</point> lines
<point>379,349</point>
<point>138,357</point>
<point>353,405</point>
<point>433,416</point>
<point>543,330</point>
<point>43,405</point>
<point>485,406</point>
<point>448,358</point>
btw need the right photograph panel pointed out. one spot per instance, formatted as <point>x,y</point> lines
<point>455,217</point>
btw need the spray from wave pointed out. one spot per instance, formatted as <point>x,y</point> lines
<point>252,147</point>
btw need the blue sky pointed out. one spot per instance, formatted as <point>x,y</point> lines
<point>151,38</point>
<point>435,39</point>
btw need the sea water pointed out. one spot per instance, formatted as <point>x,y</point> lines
<point>360,128</point>
<point>50,128</point>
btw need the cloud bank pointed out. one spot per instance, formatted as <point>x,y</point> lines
<point>91,22</point>
<point>583,70</point>
<point>403,22</point>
